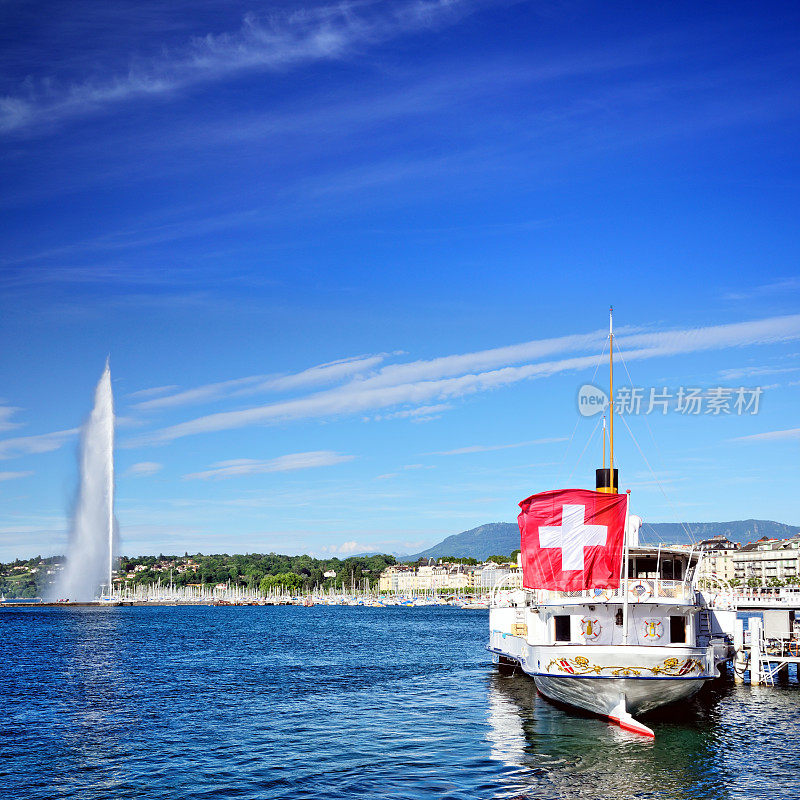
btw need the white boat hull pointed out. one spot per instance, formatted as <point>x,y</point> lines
<point>603,696</point>
<point>615,682</point>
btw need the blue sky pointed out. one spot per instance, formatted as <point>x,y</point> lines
<point>352,262</point>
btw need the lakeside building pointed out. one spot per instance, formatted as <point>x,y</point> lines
<point>767,559</point>
<point>510,574</point>
<point>718,553</point>
<point>447,576</point>
<point>761,561</point>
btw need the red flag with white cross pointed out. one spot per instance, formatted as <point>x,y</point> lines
<point>572,539</point>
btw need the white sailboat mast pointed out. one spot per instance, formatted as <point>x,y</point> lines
<point>110,489</point>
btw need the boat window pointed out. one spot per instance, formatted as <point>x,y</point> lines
<point>562,629</point>
<point>645,568</point>
<point>677,630</point>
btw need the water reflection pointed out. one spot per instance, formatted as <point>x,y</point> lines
<point>568,754</point>
<point>83,710</point>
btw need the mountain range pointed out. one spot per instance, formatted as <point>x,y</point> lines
<point>501,538</point>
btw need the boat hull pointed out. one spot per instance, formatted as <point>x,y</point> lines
<point>603,696</point>
<point>610,681</point>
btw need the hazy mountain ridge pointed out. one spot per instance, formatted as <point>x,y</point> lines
<point>500,538</point>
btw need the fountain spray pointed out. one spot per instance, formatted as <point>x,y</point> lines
<point>90,555</point>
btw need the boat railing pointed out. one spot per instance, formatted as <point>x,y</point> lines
<point>639,590</point>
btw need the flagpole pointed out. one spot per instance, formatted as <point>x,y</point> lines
<point>604,441</point>
<point>614,488</point>
<point>625,570</point>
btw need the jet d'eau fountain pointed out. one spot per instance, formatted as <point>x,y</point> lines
<point>90,555</point>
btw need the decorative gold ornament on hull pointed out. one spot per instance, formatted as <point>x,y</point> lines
<point>671,667</point>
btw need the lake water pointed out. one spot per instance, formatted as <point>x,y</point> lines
<point>339,702</point>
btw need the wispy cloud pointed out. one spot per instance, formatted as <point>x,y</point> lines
<point>348,548</point>
<point>152,392</point>
<point>766,289</point>
<point>770,436</point>
<point>41,443</point>
<point>753,372</point>
<point>486,448</point>
<point>143,469</point>
<point>322,373</point>
<point>200,394</point>
<point>10,476</point>
<point>254,384</point>
<point>247,466</point>
<point>444,379</point>
<point>419,414</point>
<point>278,42</point>
<point>6,424</point>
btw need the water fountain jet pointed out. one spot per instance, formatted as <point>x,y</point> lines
<point>90,555</point>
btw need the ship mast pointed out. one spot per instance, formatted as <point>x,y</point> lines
<point>611,393</point>
<point>607,478</point>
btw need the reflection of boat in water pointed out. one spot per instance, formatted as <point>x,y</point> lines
<point>604,624</point>
<point>546,754</point>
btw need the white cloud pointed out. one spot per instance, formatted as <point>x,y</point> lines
<point>323,373</point>
<point>42,443</point>
<point>200,394</point>
<point>278,42</point>
<point>753,372</point>
<point>420,414</point>
<point>249,466</point>
<point>10,476</point>
<point>152,392</point>
<point>766,289</point>
<point>253,384</point>
<point>143,468</point>
<point>349,548</point>
<point>443,379</point>
<point>485,448</point>
<point>6,412</point>
<point>772,436</point>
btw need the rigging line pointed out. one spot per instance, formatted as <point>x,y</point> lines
<point>688,532</point>
<point>588,442</point>
<point>656,539</point>
<point>658,482</point>
<point>578,420</point>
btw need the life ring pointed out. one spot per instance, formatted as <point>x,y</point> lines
<point>653,629</point>
<point>602,595</point>
<point>793,649</point>
<point>591,629</point>
<point>640,591</point>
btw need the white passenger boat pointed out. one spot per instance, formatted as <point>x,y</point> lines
<point>603,624</point>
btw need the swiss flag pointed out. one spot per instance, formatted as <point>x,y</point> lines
<point>572,539</point>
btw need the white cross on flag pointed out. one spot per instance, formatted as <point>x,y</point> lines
<point>572,539</point>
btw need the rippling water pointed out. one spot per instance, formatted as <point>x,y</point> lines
<point>343,702</point>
